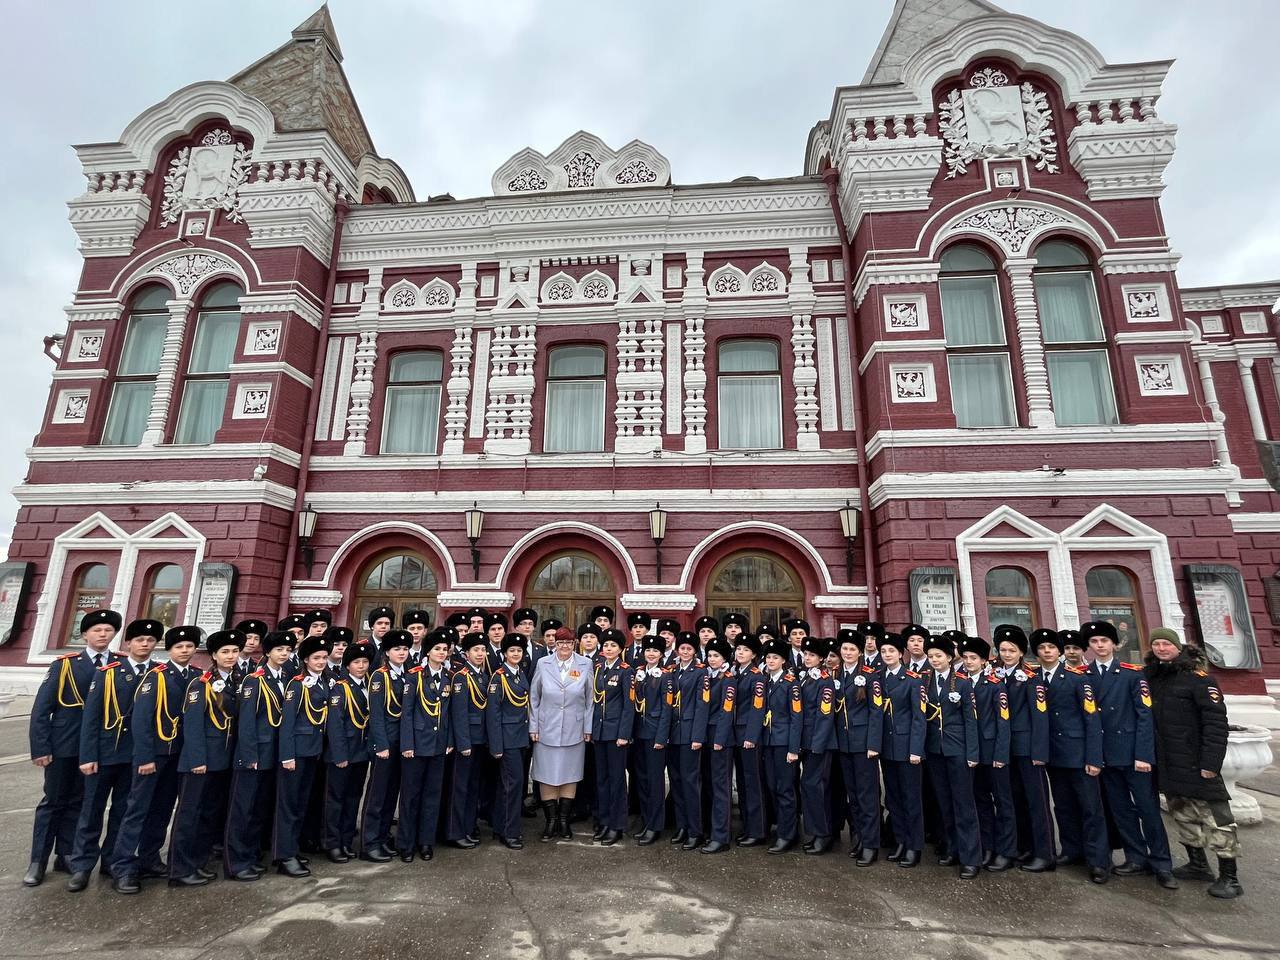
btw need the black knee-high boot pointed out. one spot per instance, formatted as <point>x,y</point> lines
<point>553,822</point>
<point>564,813</point>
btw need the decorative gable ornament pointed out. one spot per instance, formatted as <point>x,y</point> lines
<point>207,176</point>
<point>991,118</point>
<point>582,162</point>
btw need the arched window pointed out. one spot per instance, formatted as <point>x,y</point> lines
<point>1113,597</point>
<point>137,369</point>
<point>575,400</point>
<point>400,580</point>
<point>204,393</point>
<point>1075,348</point>
<point>411,414</point>
<point>567,585</point>
<point>88,593</point>
<point>977,351</point>
<point>763,587</point>
<point>164,594</point>
<point>749,388</point>
<point>1011,598</point>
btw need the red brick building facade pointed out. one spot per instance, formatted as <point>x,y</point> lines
<point>961,317</point>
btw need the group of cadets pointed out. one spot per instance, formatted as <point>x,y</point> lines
<point>302,739</point>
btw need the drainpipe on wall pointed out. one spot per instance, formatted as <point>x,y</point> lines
<point>341,209</point>
<point>832,177</point>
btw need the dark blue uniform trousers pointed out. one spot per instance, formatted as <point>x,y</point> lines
<point>815,773</point>
<point>293,794</point>
<point>952,782</point>
<point>611,784</point>
<point>510,799</point>
<point>464,802</point>
<point>246,825</point>
<point>997,822</point>
<point>1077,806</point>
<point>687,787</point>
<point>344,786</point>
<point>112,781</point>
<point>652,765</point>
<point>781,779</point>
<point>380,800</point>
<point>751,792</point>
<point>421,790</point>
<point>1131,798</point>
<point>197,821</point>
<point>58,810</point>
<point>862,796</point>
<point>1031,803</point>
<point>146,821</point>
<point>720,820</point>
<point>902,798</point>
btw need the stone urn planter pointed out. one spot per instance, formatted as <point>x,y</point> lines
<point>1248,754</point>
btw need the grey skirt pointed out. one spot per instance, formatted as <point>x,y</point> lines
<point>557,766</point>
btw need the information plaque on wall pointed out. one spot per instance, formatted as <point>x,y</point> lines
<point>1221,614</point>
<point>216,593</point>
<point>933,598</point>
<point>15,582</point>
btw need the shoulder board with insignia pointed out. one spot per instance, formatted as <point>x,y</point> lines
<point>417,669</point>
<point>992,678</point>
<point>69,656</point>
<point>912,674</point>
<point>207,676</point>
<point>1030,667</point>
<point>962,672</point>
<point>299,677</point>
<point>756,670</point>
<point>1131,666</point>
<point>866,669</point>
<point>258,673</point>
<point>108,666</point>
<point>789,677</point>
<point>1078,671</point>
<point>158,666</point>
<point>824,675</point>
<point>1202,673</point>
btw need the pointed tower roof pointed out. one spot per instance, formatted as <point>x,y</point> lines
<point>914,23</point>
<point>303,84</point>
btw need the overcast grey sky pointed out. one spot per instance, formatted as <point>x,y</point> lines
<point>451,89</point>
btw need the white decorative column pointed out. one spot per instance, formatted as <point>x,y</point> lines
<point>640,380</point>
<point>510,412</point>
<point>1035,373</point>
<point>801,299</point>
<point>168,373</point>
<point>365,358</point>
<point>1245,365</point>
<point>694,306</point>
<point>459,384</point>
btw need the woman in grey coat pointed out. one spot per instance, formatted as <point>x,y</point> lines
<point>560,728</point>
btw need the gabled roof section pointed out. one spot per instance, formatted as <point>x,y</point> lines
<point>914,23</point>
<point>303,84</point>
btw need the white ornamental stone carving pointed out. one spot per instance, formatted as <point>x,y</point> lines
<point>635,172</point>
<point>989,77</point>
<point>255,403</point>
<point>207,176</point>
<point>1012,226</point>
<point>437,294</point>
<point>1142,305</point>
<point>1156,376</point>
<point>266,339</point>
<point>996,120</point>
<point>88,346</point>
<point>581,169</point>
<point>189,269</point>
<point>1253,322</point>
<point>726,283</point>
<point>510,411</point>
<point>904,315</point>
<point>527,180</point>
<point>75,407</point>
<point>909,385</point>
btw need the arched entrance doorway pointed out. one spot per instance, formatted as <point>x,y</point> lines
<point>760,585</point>
<point>567,585</point>
<point>401,580</point>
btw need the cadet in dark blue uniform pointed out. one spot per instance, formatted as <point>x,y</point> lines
<point>685,714</point>
<point>251,656</point>
<point>748,732</point>
<point>507,730</point>
<point>720,691</point>
<point>1028,750</point>
<point>208,731</point>
<point>782,726</point>
<point>56,717</point>
<point>1075,759</point>
<point>992,788</point>
<point>302,733</point>
<point>257,756</point>
<point>952,752</point>
<point>817,740</point>
<point>467,705</point>
<point>649,746</point>
<point>871,633</point>
<point>347,737</point>
<point>638,624</point>
<point>157,745</point>
<point>898,740</point>
<point>106,750</point>
<point>1129,751</point>
<point>861,774</point>
<point>425,744</point>
<point>612,722</point>
<point>386,708</point>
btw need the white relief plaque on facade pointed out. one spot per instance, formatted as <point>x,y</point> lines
<point>253,400</point>
<point>912,382</point>
<point>1255,321</point>
<point>1212,325</point>
<point>905,313</point>
<point>1161,376</point>
<point>819,269</point>
<point>1146,302</point>
<point>86,346</point>
<point>72,406</point>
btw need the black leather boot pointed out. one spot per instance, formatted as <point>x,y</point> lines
<point>564,812</point>
<point>549,811</point>
<point>1197,868</point>
<point>1227,886</point>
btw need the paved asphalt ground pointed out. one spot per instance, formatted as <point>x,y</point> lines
<point>575,901</point>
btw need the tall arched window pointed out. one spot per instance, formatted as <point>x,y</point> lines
<point>763,587</point>
<point>89,592</point>
<point>204,393</point>
<point>749,388</point>
<point>411,414</point>
<point>1113,596</point>
<point>400,580</point>
<point>977,351</point>
<point>137,369</point>
<point>1011,598</point>
<point>567,585</point>
<point>164,594</point>
<point>1075,348</point>
<point>575,400</point>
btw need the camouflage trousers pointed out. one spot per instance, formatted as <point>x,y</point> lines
<point>1206,823</point>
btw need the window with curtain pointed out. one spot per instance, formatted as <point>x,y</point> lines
<point>977,351</point>
<point>749,395</point>
<point>90,591</point>
<point>1011,599</point>
<point>164,594</point>
<point>411,414</point>
<point>575,400</point>
<point>137,369</point>
<point>1079,374</point>
<point>204,394</point>
<point>1113,597</point>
